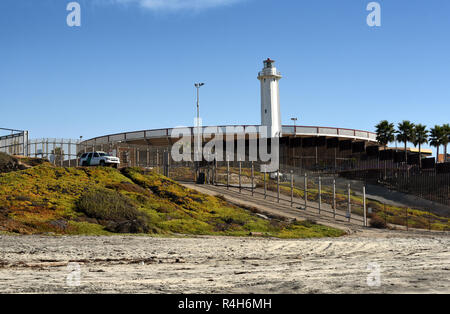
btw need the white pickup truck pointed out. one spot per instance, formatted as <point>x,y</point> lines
<point>99,159</point>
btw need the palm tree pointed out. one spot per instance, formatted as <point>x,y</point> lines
<point>445,139</point>
<point>405,134</point>
<point>420,137</point>
<point>436,136</point>
<point>385,134</point>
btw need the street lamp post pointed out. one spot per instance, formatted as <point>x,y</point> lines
<point>198,85</point>
<point>295,125</point>
<point>295,134</point>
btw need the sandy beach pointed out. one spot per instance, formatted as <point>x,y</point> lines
<point>408,263</point>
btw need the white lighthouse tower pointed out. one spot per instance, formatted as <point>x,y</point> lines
<point>270,98</point>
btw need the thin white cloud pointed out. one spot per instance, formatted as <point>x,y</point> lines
<point>175,5</point>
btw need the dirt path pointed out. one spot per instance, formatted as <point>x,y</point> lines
<point>407,263</point>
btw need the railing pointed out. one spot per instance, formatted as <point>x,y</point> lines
<point>329,131</point>
<point>268,73</point>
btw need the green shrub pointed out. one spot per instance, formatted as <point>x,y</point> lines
<point>113,210</point>
<point>5,158</point>
<point>377,222</point>
<point>8,163</point>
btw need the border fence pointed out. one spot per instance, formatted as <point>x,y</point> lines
<point>66,152</point>
<point>13,142</point>
<point>429,184</point>
<point>325,195</point>
<point>322,187</point>
<point>60,152</point>
<point>318,194</point>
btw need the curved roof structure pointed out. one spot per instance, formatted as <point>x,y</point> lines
<point>162,137</point>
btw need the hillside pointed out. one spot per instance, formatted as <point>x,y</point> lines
<point>45,199</point>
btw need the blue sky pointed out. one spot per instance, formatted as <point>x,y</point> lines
<point>132,64</point>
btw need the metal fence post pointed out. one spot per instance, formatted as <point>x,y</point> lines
<point>240,170</point>
<point>61,152</point>
<point>320,193</point>
<point>364,206</point>
<point>136,157</point>
<point>168,164</point>
<point>406,218</point>
<point>305,191</point>
<point>429,220</point>
<point>69,147</point>
<point>334,198</point>
<point>265,186</point>
<point>157,164</point>
<point>46,149</point>
<point>228,174</point>
<point>349,209</point>
<point>292,188</point>
<point>278,185</point>
<point>76,155</point>
<point>253,175</point>
<point>54,152</point>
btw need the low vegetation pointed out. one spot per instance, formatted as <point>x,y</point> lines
<point>113,210</point>
<point>45,199</point>
<point>377,222</point>
<point>9,163</point>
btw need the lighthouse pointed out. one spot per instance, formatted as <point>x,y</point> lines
<point>270,98</point>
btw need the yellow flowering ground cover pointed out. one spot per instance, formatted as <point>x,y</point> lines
<point>99,200</point>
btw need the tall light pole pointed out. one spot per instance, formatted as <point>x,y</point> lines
<point>295,125</point>
<point>295,134</point>
<point>198,149</point>
<point>198,85</point>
